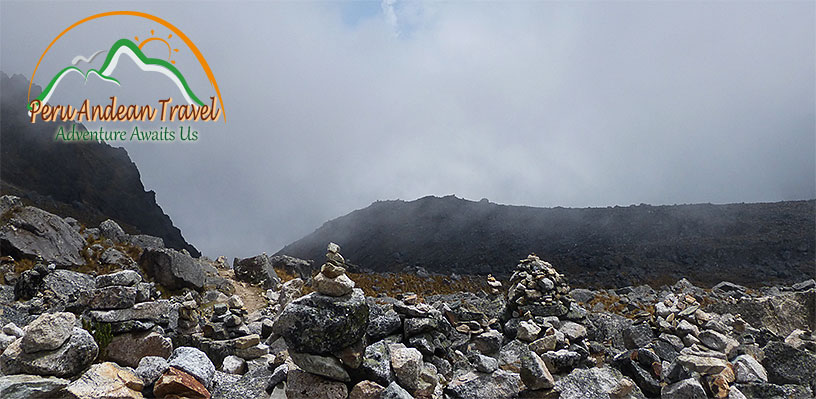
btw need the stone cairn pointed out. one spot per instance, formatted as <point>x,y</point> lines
<point>324,331</point>
<point>537,289</point>
<point>495,285</point>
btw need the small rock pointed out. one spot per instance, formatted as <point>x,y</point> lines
<point>527,331</point>
<point>482,363</point>
<point>366,390</point>
<point>234,365</point>
<point>637,336</point>
<point>394,391</point>
<point>128,349</point>
<point>574,331</point>
<point>151,368</point>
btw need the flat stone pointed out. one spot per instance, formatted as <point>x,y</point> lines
<point>23,386</point>
<point>113,297</point>
<point>702,365</point>
<point>126,278</point>
<point>129,349</point>
<point>247,341</point>
<point>337,286</point>
<point>326,366</point>
<point>498,385</point>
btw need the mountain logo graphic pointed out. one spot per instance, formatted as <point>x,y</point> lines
<point>195,108</point>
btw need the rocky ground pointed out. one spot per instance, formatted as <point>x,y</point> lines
<point>93,312</point>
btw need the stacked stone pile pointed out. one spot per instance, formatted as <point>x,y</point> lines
<point>537,289</point>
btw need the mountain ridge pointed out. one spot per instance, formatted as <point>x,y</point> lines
<point>750,243</point>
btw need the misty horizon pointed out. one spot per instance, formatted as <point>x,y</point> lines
<point>525,104</point>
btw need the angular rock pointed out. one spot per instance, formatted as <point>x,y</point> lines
<point>172,269</point>
<point>127,278</point>
<point>527,331</point>
<point>176,383</point>
<point>488,342</point>
<point>107,380</point>
<point>48,332</point>
<point>788,365</point>
<point>256,270</point>
<point>322,324</point>
<point>68,360</point>
<point>498,385</point>
<point>67,286</point>
<point>234,365</point>
<point>701,364</point>
<point>717,341</point>
<point>253,384</point>
<point>417,325</point>
<point>637,336</point>
<point>573,331</point>
<point>23,386</point>
<point>394,391</point>
<point>407,364</point>
<point>111,230</point>
<point>482,363</point>
<point>366,390</point>
<point>129,349</point>
<point>596,383</point>
<point>686,389</point>
<point>193,362</point>
<point>29,232</point>
<point>113,297</point>
<point>326,366</point>
<point>534,373</point>
<point>376,364</point>
<point>747,369</point>
<point>382,323</point>
<point>302,385</point>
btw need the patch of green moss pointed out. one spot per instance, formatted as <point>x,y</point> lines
<point>101,332</point>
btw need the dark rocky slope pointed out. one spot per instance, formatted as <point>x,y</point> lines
<point>89,181</point>
<point>751,244</point>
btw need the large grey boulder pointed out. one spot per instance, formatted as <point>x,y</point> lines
<point>326,366</point>
<point>172,269</point>
<point>67,286</point>
<point>322,324</point>
<point>498,385</point>
<point>383,321</point>
<point>29,232</point>
<point>68,360</point>
<point>788,365</point>
<point>256,270</point>
<point>596,383</point>
<point>24,386</point>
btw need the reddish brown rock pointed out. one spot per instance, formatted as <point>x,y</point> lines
<point>175,383</point>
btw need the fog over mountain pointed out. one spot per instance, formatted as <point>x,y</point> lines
<point>332,106</point>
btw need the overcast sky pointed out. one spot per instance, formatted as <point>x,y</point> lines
<point>332,105</point>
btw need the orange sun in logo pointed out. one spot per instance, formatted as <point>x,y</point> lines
<point>170,48</point>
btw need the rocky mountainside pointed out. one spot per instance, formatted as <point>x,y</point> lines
<point>88,181</point>
<point>599,247</point>
<point>101,313</point>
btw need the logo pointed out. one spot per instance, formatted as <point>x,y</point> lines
<point>180,101</point>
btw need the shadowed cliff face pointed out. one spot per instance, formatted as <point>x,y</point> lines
<point>752,244</point>
<point>88,181</point>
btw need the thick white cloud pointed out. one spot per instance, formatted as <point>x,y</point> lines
<point>534,103</point>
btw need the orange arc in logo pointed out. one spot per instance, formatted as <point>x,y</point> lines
<point>154,18</point>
